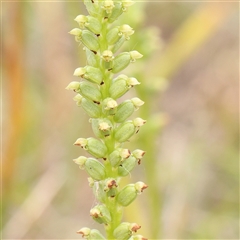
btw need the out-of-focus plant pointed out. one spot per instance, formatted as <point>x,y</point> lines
<point>98,95</point>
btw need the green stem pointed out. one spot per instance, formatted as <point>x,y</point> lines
<point>116,214</point>
<point>111,203</point>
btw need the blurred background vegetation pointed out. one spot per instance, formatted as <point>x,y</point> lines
<point>190,87</point>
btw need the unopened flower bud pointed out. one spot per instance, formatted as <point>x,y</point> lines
<point>93,146</point>
<point>73,86</point>
<point>124,230</point>
<point>95,169</point>
<point>135,55</point>
<point>129,193</point>
<point>137,102</point>
<point>90,107</point>
<point>114,158</point>
<point>107,56</point>
<point>101,214</point>
<point>127,166</point>
<point>87,38</point>
<point>121,61</point>
<point>96,148</point>
<point>108,5</point>
<point>124,131</point>
<point>118,88</point>
<point>90,91</point>
<point>124,110</point>
<point>113,36</point>
<point>89,73</point>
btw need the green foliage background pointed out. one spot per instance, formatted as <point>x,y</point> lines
<point>190,87</point>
